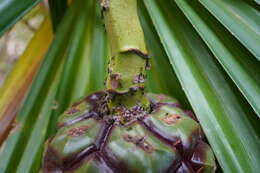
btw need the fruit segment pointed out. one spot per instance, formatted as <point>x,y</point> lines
<point>163,140</point>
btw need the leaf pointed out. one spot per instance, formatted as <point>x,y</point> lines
<point>78,50</point>
<point>57,10</point>
<point>240,19</point>
<point>161,77</point>
<point>98,57</point>
<point>85,82</point>
<point>13,10</point>
<point>241,66</point>
<point>37,137</point>
<point>65,82</point>
<point>15,144</point>
<point>224,117</point>
<point>14,89</point>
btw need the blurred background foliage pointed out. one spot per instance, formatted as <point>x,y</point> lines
<point>14,42</point>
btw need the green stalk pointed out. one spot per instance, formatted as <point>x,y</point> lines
<point>129,58</point>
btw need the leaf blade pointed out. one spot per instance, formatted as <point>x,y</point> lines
<point>157,80</point>
<point>224,121</point>
<point>242,67</point>
<point>37,138</point>
<point>13,10</point>
<point>14,90</point>
<point>10,156</point>
<point>240,19</point>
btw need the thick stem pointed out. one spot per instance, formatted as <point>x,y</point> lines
<point>129,55</point>
<point>129,58</point>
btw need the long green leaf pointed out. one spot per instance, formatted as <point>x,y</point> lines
<point>14,146</point>
<point>92,69</point>
<point>35,143</point>
<point>98,58</point>
<point>84,69</point>
<point>242,67</point>
<point>30,161</point>
<point>13,10</point>
<point>81,37</point>
<point>95,56</point>
<point>240,19</point>
<point>225,120</point>
<point>160,80</point>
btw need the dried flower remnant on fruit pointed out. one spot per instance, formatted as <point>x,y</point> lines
<point>72,110</point>
<point>126,116</point>
<point>77,131</point>
<point>140,142</point>
<point>171,119</point>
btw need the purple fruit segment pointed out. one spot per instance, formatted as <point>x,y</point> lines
<point>139,151</point>
<point>74,161</point>
<point>202,158</point>
<point>185,168</point>
<point>160,99</point>
<point>166,140</point>
<point>103,135</point>
<point>73,139</point>
<point>52,161</point>
<point>74,114</point>
<point>174,126</point>
<point>94,105</point>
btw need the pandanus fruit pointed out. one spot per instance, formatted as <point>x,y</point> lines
<point>122,129</point>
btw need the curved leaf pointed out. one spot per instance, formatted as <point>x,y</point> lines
<point>242,66</point>
<point>161,77</point>
<point>29,161</point>
<point>240,19</point>
<point>225,121</point>
<point>13,10</point>
<point>79,48</point>
<point>14,89</point>
<point>58,101</point>
<point>15,144</point>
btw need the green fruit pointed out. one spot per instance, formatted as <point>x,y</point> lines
<point>162,139</point>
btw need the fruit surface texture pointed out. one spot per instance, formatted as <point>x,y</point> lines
<point>161,139</point>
